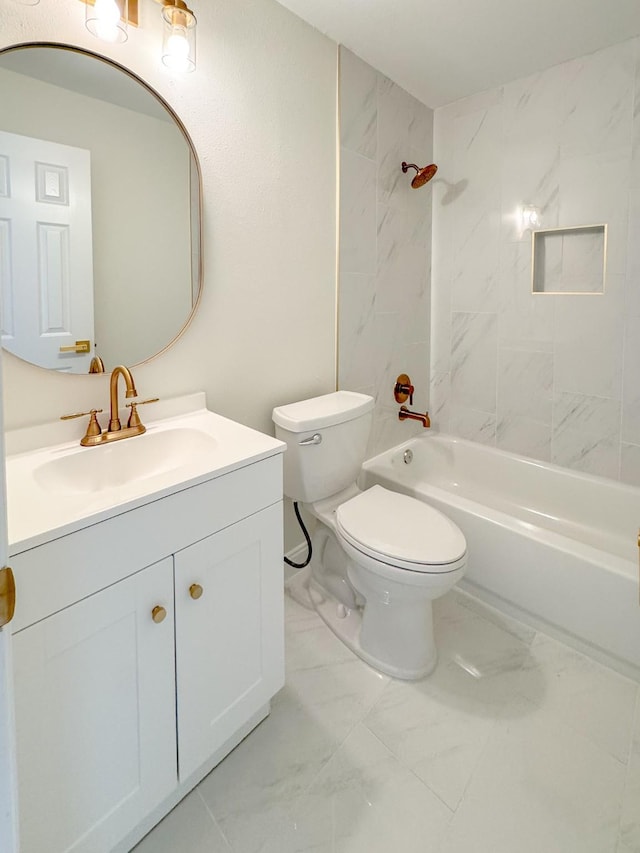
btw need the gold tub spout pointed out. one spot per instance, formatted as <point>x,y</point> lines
<point>404,414</point>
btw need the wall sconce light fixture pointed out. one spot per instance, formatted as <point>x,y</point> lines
<point>530,218</point>
<point>108,19</point>
<point>179,40</point>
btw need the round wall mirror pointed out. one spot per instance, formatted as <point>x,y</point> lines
<point>100,249</point>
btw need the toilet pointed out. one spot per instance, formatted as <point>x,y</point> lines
<point>379,557</point>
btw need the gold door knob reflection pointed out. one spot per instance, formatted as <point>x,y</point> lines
<point>195,590</point>
<point>158,614</point>
<point>79,346</point>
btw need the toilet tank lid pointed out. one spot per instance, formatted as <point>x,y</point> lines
<point>324,411</point>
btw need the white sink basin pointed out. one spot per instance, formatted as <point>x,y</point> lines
<point>124,462</point>
<point>54,490</point>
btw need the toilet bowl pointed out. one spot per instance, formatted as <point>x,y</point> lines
<point>380,557</point>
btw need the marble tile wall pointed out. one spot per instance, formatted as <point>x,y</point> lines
<point>385,245</point>
<point>554,377</point>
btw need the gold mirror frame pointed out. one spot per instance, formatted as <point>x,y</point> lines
<point>178,122</point>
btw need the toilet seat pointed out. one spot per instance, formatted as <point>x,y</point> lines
<point>400,531</point>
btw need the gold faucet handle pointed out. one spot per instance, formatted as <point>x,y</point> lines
<point>134,417</point>
<point>93,428</point>
<point>144,402</point>
<point>80,414</point>
<point>403,389</point>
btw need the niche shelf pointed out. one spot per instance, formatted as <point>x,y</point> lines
<point>569,260</point>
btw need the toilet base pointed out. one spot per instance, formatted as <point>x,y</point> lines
<point>346,624</point>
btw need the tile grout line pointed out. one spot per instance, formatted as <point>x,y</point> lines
<point>341,743</point>
<point>499,715</point>
<point>496,720</point>
<point>562,722</point>
<point>409,770</point>
<point>481,756</point>
<point>213,818</point>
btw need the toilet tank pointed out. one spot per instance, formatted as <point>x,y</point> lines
<point>326,441</point>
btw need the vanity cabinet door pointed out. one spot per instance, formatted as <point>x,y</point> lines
<point>95,713</point>
<point>229,633</point>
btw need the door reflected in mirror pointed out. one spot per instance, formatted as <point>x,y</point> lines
<point>99,213</point>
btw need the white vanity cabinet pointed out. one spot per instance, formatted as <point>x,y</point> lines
<point>119,713</point>
<point>95,716</point>
<point>229,637</point>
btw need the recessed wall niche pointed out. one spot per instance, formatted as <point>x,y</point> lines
<point>569,260</point>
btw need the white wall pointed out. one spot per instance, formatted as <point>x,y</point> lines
<point>260,108</point>
<point>555,377</point>
<point>140,210</point>
<point>385,245</point>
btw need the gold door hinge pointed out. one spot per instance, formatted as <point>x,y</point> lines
<point>7,596</point>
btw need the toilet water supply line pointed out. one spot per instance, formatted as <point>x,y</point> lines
<point>306,536</point>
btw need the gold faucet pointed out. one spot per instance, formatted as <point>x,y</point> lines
<point>97,365</point>
<point>120,370</point>
<point>116,431</point>
<point>404,414</point>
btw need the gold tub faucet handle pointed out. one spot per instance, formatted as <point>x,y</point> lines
<point>403,389</point>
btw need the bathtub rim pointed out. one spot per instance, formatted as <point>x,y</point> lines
<point>626,566</point>
<point>529,461</point>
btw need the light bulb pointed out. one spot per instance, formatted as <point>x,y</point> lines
<point>179,46</point>
<point>177,49</point>
<point>104,21</point>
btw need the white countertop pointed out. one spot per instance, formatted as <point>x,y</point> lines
<point>41,507</point>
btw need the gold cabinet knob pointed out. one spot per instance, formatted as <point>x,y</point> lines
<point>158,614</point>
<point>195,590</point>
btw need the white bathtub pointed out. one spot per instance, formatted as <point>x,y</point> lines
<point>556,547</point>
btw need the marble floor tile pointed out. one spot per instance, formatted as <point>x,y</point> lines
<point>333,685</point>
<point>336,697</point>
<point>296,616</point>
<point>430,730</point>
<point>523,632</point>
<point>366,801</point>
<point>630,816</point>
<point>482,659</point>
<point>189,827</point>
<point>439,726</point>
<point>328,692</point>
<point>515,744</point>
<point>276,763</point>
<point>540,786</point>
<point>310,644</point>
<point>588,697</point>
